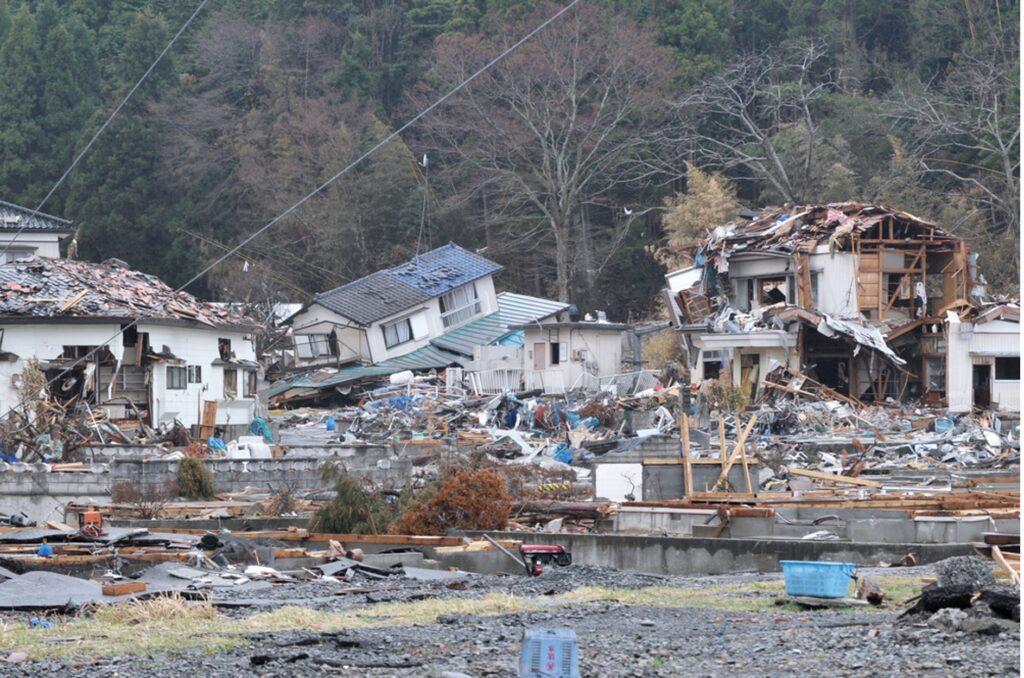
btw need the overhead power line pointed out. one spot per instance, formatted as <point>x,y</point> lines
<point>104,126</point>
<point>316,190</point>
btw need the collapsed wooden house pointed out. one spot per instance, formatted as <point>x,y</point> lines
<point>869,301</point>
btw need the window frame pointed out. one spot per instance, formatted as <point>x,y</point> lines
<point>251,383</point>
<point>178,382</point>
<point>234,379</point>
<point>1005,360</point>
<point>453,309</point>
<point>316,345</point>
<point>194,374</point>
<point>407,321</point>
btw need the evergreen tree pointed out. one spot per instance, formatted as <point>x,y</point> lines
<point>21,134</point>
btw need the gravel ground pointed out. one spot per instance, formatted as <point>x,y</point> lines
<point>615,639</point>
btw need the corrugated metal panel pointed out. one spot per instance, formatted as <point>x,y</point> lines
<point>517,309</point>
<point>480,332</point>
<point>425,358</point>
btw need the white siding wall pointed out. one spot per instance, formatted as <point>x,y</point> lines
<point>352,341</point>
<point>42,244</point>
<point>837,282</point>
<point>196,346</point>
<point>604,351</point>
<point>424,323</point>
<point>967,342</point>
<point>199,347</point>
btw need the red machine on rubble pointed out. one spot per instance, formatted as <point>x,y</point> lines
<point>536,556</point>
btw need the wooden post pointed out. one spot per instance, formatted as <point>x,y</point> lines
<point>746,471</point>
<point>740,442</point>
<point>684,434</point>
<point>721,437</point>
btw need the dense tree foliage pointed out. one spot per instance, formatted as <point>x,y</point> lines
<point>574,163</point>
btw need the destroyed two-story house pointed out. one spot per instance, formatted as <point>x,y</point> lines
<point>123,343</point>
<point>868,301</point>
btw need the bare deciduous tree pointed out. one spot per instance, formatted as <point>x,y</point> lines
<point>735,116</point>
<point>965,131</point>
<point>579,111</point>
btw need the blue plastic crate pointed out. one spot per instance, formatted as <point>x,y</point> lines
<point>553,653</point>
<point>816,578</point>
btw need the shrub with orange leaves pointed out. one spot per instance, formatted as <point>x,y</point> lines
<point>467,500</point>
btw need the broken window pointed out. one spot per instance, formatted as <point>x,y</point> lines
<point>195,374</point>
<point>459,305</point>
<point>224,348</point>
<point>397,333</point>
<point>772,290</point>
<point>712,364</point>
<point>310,346</point>
<point>251,383</point>
<point>935,379</point>
<point>1008,369</point>
<point>230,383</point>
<point>176,377</point>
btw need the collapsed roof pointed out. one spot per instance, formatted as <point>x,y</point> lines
<point>63,289</point>
<point>792,227</point>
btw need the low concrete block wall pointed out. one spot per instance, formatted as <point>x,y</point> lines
<point>42,496</point>
<point>228,475</point>
<point>695,556</point>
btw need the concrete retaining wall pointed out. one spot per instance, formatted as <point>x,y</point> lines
<point>693,556</point>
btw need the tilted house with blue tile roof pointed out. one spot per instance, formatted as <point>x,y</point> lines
<point>396,311</point>
<point>432,312</point>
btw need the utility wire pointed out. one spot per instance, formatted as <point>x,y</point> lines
<point>316,190</point>
<point>104,126</point>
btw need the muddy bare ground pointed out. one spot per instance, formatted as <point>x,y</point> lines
<point>621,634</point>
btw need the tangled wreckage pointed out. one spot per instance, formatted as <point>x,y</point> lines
<point>870,302</point>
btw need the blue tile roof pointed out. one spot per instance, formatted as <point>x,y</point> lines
<point>394,290</point>
<point>442,270</point>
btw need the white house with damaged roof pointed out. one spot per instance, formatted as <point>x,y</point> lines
<point>429,313</point>
<point>25,233</point>
<point>180,355</point>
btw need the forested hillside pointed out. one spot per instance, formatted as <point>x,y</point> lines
<point>575,161</point>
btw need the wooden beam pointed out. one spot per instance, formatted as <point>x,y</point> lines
<point>833,478</point>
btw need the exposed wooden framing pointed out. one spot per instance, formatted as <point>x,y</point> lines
<point>919,265</point>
